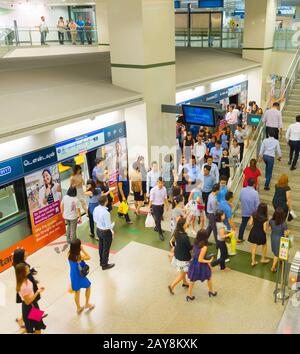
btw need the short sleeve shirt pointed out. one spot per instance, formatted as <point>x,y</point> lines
<point>71,204</point>
<point>248,173</point>
<point>228,213</point>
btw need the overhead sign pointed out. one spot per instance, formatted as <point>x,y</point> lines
<point>10,170</point>
<point>39,159</point>
<point>284,249</point>
<point>78,145</point>
<point>114,132</point>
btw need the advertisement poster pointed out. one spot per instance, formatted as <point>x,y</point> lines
<point>116,157</point>
<point>44,195</point>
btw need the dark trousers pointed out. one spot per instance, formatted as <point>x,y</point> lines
<point>92,224</point>
<point>276,131</point>
<point>158,211</point>
<point>212,227</point>
<point>294,151</point>
<point>205,196</point>
<point>224,255</point>
<point>269,161</point>
<point>61,37</point>
<point>243,226</point>
<point>89,37</point>
<point>242,146</point>
<point>105,241</point>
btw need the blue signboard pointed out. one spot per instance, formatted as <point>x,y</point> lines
<point>10,170</point>
<point>177,4</point>
<point>39,159</point>
<point>210,3</point>
<point>114,132</point>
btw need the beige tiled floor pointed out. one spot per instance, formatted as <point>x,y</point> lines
<point>133,298</point>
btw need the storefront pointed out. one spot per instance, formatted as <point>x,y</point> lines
<point>32,185</point>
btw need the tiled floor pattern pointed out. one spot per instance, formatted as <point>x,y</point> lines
<point>133,298</point>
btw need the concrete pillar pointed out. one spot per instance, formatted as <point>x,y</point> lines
<point>259,29</point>
<point>142,42</point>
<point>102,22</point>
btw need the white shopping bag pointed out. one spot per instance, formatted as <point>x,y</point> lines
<point>149,221</point>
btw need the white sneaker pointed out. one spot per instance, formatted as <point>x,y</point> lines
<point>227,260</point>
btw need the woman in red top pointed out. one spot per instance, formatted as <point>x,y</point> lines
<point>251,172</point>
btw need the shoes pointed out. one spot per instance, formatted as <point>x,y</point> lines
<point>161,237</point>
<point>129,222</point>
<point>267,188</point>
<point>240,241</point>
<point>108,266</point>
<point>64,247</point>
<point>227,260</point>
<point>155,229</point>
<point>185,285</point>
<point>293,168</point>
<point>190,298</point>
<point>290,162</point>
<point>212,294</point>
<point>171,290</point>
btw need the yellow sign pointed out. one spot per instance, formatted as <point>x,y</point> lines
<point>284,248</point>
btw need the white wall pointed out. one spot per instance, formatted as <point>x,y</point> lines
<point>281,62</point>
<point>29,15</point>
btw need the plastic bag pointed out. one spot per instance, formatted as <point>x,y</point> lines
<point>123,208</point>
<point>149,221</point>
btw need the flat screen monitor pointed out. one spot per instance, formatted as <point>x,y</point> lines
<point>253,119</point>
<point>197,115</point>
<point>210,3</point>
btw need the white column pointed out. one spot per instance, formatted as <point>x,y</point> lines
<point>142,42</point>
<point>259,29</point>
<point>102,22</point>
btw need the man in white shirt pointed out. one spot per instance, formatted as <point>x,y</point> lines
<point>200,150</point>
<point>152,177</point>
<point>43,30</point>
<point>232,117</point>
<point>293,139</point>
<point>273,120</point>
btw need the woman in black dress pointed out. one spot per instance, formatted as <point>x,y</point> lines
<point>282,197</point>
<point>188,146</point>
<point>29,298</point>
<point>224,165</point>
<point>20,256</point>
<point>257,236</point>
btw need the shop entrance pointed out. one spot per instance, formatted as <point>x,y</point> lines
<point>234,99</point>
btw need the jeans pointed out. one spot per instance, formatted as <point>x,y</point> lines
<point>71,230</point>
<point>243,226</point>
<point>224,255</point>
<point>43,37</point>
<point>294,151</point>
<point>61,37</point>
<point>158,211</point>
<point>212,227</point>
<point>276,131</point>
<point>89,37</point>
<point>105,241</point>
<point>81,36</point>
<point>269,161</point>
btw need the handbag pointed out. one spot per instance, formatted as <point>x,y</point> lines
<point>84,269</point>
<point>291,215</point>
<point>149,222</point>
<point>35,314</point>
<point>123,208</point>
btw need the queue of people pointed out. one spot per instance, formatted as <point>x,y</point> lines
<point>80,30</point>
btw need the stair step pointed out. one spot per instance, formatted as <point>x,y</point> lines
<point>293,102</point>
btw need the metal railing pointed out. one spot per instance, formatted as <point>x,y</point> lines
<point>259,134</point>
<point>203,38</point>
<point>30,36</point>
<point>5,41</point>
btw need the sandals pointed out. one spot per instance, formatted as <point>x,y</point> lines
<point>89,307</point>
<point>265,261</point>
<point>254,264</point>
<point>80,310</point>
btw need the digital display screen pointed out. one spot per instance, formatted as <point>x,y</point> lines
<point>253,119</point>
<point>196,115</point>
<point>210,3</point>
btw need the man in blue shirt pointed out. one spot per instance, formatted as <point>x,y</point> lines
<point>80,29</point>
<point>249,199</point>
<point>208,182</point>
<point>193,170</point>
<point>216,153</point>
<point>104,231</point>
<point>226,206</point>
<point>212,206</point>
<point>214,170</point>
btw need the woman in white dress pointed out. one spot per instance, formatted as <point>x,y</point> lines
<point>78,182</point>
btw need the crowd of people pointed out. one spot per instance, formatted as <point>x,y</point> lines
<point>196,188</point>
<point>81,30</point>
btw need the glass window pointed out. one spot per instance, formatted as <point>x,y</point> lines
<point>14,217</point>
